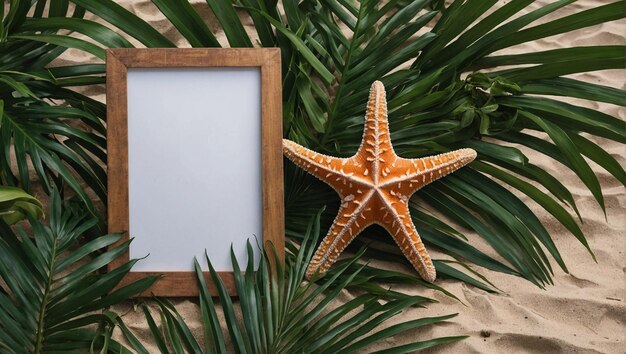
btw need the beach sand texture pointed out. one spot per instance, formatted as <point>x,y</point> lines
<point>584,312</point>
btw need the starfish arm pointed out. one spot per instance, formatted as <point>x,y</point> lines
<point>351,219</point>
<point>326,168</point>
<point>402,229</point>
<point>376,149</point>
<point>413,174</point>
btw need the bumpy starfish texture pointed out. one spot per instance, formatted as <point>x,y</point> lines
<point>375,186</point>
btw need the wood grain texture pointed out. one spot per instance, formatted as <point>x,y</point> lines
<point>117,152</point>
<point>180,284</point>
<point>271,139</point>
<point>183,284</point>
<point>196,57</point>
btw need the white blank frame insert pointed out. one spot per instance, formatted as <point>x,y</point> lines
<point>185,126</point>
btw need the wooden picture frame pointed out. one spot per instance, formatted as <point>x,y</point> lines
<point>267,61</point>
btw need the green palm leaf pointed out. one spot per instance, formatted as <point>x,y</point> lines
<point>61,146</point>
<point>283,313</point>
<point>45,307</point>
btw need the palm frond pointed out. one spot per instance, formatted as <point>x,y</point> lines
<point>52,296</point>
<point>281,312</point>
<point>57,134</point>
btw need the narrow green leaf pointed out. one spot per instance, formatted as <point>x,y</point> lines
<point>231,24</point>
<point>67,42</point>
<point>262,26</point>
<point>600,156</point>
<point>83,251</point>
<point>518,208</point>
<point>188,22</point>
<point>465,251</point>
<point>572,154</point>
<point>413,347</point>
<point>303,50</point>
<point>560,55</point>
<point>210,319</point>
<point>508,250</point>
<point>574,117</point>
<point>240,344</point>
<point>395,330</point>
<point>581,19</point>
<point>562,86</point>
<point>91,29</point>
<point>132,339</point>
<point>552,70</point>
<point>387,311</point>
<point>154,329</point>
<point>482,27</point>
<point>545,201</point>
<point>128,22</point>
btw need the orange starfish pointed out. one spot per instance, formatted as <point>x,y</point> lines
<point>375,186</point>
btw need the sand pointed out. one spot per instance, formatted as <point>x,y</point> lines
<point>583,312</point>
